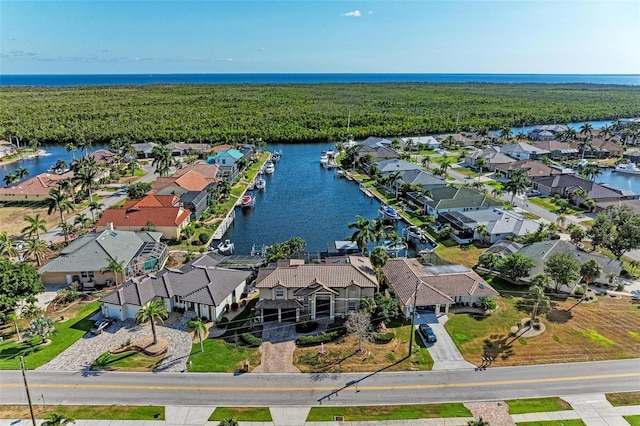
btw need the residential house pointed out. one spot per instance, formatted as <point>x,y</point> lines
<point>434,288</point>
<point>160,213</point>
<point>523,151</point>
<point>599,148</point>
<point>103,157</point>
<point>500,224</point>
<point>179,149</point>
<point>377,142</point>
<point>546,132</point>
<point>178,185</point>
<point>7,148</point>
<point>393,165</point>
<point>199,287</point>
<point>564,185</point>
<point>461,139</point>
<point>144,150</point>
<point>540,252</point>
<point>422,142</point>
<point>292,288</point>
<point>33,189</point>
<point>463,199</point>
<point>532,168</point>
<point>426,180</point>
<point>492,155</point>
<point>227,162</point>
<point>377,153</point>
<point>209,171</point>
<point>557,149</point>
<point>84,258</point>
<point>196,202</point>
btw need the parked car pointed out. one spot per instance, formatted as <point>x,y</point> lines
<point>427,333</point>
<point>101,325</point>
<point>533,193</point>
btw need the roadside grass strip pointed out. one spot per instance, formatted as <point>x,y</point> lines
<point>388,412</point>
<point>221,357</point>
<point>622,399</point>
<point>126,361</point>
<point>633,420</point>
<point>572,422</point>
<point>537,405</point>
<point>86,412</point>
<point>36,354</point>
<point>241,414</point>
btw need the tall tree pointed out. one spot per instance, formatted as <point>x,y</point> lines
<point>515,266</point>
<point>536,299</point>
<point>162,160</point>
<point>517,184</point>
<point>95,206</point>
<point>380,230</point>
<point>363,234</point>
<point>37,248</point>
<point>70,147</point>
<point>35,225</point>
<point>617,229</point>
<point>562,268</point>
<point>6,246</point>
<point>21,173</point>
<point>481,164</point>
<point>115,267</point>
<point>9,179</point>
<point>199,329</point>
<point>58,202</point>
<point>359,323</point>
<point>155,310</point>
<point>81,220</point>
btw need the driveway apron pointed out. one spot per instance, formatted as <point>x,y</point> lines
<point>444,352</point>
<point>277,348</point>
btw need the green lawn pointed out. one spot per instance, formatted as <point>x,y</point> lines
<point>35,354</point>
<point>537,405</point>
<point>572,422</point>
<point>127,361</point>
<point>221,357</point>
<point>388,412</point>
<point>623,398</point>
<point>633,420</point>
<point>86,412</point>
<point>241,414</point>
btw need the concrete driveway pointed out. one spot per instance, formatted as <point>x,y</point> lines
<point>444,352</point>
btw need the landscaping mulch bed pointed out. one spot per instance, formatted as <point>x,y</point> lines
<point>145,346</point>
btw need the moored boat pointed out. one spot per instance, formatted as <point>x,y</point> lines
<point>324,158</point>
<point>225,247</point>
<point>414,233</point>
<point>394,248</point>
<point>388,212</point>
<point>275,157</point>
<point>269,168</point>
<point>247,201</point>
<point>366,191</point>
<point>261,183</point>
<point>629,168</point>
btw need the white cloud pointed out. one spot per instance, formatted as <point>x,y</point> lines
<point>353,14</point>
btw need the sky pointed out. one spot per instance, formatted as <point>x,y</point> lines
<point>325,36</point>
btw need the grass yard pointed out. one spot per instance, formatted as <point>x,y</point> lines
<point>12,217</point>
<point>572,422</point>
<point>458,255</point>
<point>126,361</point>
<point>537,405</point>
<point>76,325</point>
<point>622,399</point>
<point>221,357</point>
<point>588,332</point>
<point>342,356</point>
<point>86,412</point>
<point>633,420</point>
<point>241,414</point>
<point>388,412</point>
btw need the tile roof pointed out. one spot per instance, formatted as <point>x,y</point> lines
<point>190,181</point>
<point>333,275</point>
<point>152,200</point>
<point>102,156</point>
<point>209,171</point>
<point>532,168</point>
<point>554,145</point>
<point>37,185</point>
<point>572,182</point>
<point>141,216</point>
<point>522,147</point>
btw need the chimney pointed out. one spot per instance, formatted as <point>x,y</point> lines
<point>109,226</point>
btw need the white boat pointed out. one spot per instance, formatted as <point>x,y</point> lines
<point>331,154</point>
<point>324,158</point>
<point>275,157</point>
<point>261,183</point>
<point>414,233</point>
<point>226,247</point>
<point>366,191</point>
<point>269,168</point>
<point>388,212</point>
<point>629,168</point>
<point>247,201</point>
<point>393,248</point>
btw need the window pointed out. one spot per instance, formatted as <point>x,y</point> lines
<point>352,306</point>
<point>279,293</point>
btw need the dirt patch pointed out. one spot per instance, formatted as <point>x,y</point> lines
<point>12,218</point>
<point>494,413</point>
<point>144,346</point>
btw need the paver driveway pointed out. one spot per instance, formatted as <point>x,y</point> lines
<point>444,352</point>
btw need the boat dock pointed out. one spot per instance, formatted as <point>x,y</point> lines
<point>224,225</point>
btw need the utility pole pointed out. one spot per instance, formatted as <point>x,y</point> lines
<point>413,317</point>
<point>26,386</point>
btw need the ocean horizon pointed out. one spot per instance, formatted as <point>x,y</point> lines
<point>61,80</point>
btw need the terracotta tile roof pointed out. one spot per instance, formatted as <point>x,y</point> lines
<point>221,148</point>
<point>210,171</point>
<point>531,167</point>
<point>191,181</point>
<point>153,200</point>
<point>159,216</point>
<point>39,184</point>
<point>102,156</point>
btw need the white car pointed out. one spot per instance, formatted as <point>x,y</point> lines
<point>533,193</point>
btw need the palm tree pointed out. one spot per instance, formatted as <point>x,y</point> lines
<point>82,220</point>
<point>58,201</point>
<point>69,187</point>
<point>442,170</point>
<point>60,166</point>
<point>536,296</point>
<point>505,133</point>
<point>86,175</point>
<point>72,149</point>
<point>95,206</point>
<point>37,248</point>
<point>162,160</point>
<point>6,247</point>
<point>199,329</point>
<point>587,130</point>
<point>9,178</point>
<point>36,224</point>
<point>606,132</point>
<point>151,312</point>
<point>84,144</point>
<point>497,192</point>
<point>518,182</point>
<point>224,189</point>
<point>590,171</point>
<point>578,195</point>
<point>230,421</point>
<point>13,317</point>
<point>21,173</point>
<point>449,142</point>
<point>583,145</point>
<point>380,230</point>
<point>561,220</point>
<point>115,267</point>
<point>481,163</point>
<point>55,419</point>
<point>363,234</point>
<point>426,160</point>
<point>483,231</point>
<point>521,136</point>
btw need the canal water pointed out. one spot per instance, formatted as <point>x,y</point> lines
<point>620,180</point>
<point>301,199</point>
<point>43,163</point>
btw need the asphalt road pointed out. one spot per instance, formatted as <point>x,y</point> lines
<point>330,389</point>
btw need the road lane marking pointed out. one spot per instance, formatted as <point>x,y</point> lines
<point>324,388</point>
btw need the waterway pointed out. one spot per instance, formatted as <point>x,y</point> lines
<point>620,180</point>
<point>43,163</point>
<point>301,199</point>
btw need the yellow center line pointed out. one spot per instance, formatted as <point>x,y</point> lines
<point>324,388</point>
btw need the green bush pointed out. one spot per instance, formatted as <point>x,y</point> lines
<point>204,237</point>
<point>323,337</point>
<point>383,337</point>
<point>251,340</point>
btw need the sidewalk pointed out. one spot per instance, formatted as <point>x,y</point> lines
<point>592,409</point>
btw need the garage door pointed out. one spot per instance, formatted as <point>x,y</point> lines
<point>270,315</point>
<point>288,314</point>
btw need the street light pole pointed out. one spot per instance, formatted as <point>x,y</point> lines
<point>413,317</point>
<point>26,387</point>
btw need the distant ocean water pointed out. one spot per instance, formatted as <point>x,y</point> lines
<point>55,80</point>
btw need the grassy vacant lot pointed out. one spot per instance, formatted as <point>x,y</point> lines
<point>388,412</point>
<point>76,325</point>
<point>457,255</point>
<point>12,217</point>
<point>594,331</point>
<point>127,361</point>
<point>572,422</point>
<point>623,398</point>
<point>88,412</point>
<point>241,414</point>
<point>221,357</point>
<point>342,356</point>
<point>537,405</point>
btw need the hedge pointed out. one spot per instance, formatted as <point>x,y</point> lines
<point>383,337</point>
<point>251,340</point>
<point>323,337</point>
<point>204,237</point>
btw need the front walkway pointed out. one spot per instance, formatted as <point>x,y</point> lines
<point>444,352</point>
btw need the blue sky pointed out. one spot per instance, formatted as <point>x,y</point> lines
<point>304,36</point>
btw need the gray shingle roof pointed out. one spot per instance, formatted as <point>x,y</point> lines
<point>452,197</point>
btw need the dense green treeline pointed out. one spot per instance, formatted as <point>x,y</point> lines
<point>295,113</point>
